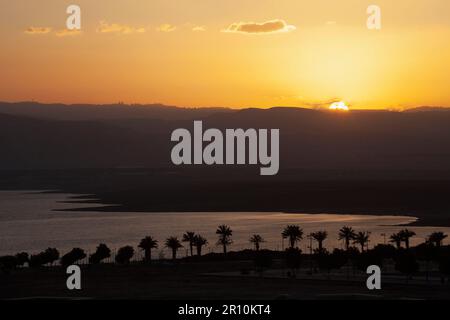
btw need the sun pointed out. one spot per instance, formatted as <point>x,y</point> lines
<point>339,106</point>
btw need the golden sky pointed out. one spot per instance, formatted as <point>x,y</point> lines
<point>231,53</point>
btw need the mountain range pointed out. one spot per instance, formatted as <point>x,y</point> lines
<point>38,136</point>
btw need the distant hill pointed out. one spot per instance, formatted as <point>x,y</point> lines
<point>424,109</point>
<point>103,112</point>
<point>61,137</point>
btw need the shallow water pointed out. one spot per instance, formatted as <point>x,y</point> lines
<point>29,222</point>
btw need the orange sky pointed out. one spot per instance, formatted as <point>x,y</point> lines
<point>204,53</point>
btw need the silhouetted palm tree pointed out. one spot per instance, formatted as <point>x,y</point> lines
<point>397,239</point>
<point>147,244</point>
<point>199,242</point>
<point>347,234</point>
<point>225,234</point>
<point>362,238</point>
<point>256,240</point>
<point>406,235</point>
<point>189,236</point>
<point>124,255</point>
<point>437,238</point>
<point>72,257</point>
<point>294,233</point>
<point>320,237</point>
<point>174,244</point>
<point>100,254</point>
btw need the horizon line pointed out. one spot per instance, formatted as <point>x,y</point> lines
<point>153,104</point>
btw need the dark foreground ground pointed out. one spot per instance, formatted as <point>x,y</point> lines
<point>422,194</point>
<point>187,281</point>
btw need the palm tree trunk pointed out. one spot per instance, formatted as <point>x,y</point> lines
<point>174,254</point>
<point>191,246</point>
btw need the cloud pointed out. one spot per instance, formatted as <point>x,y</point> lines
<point>67,32</point>
<point>272,26</point>
<point>166,28</point>
<point>199,28</point>
<point>118,28</point>
<point>38,30</point>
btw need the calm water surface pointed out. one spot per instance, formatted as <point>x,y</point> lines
<point>29,221</point>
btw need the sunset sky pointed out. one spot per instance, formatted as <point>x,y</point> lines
<point>230,53</point>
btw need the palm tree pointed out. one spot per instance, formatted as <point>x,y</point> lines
<point>347,234</point>
<point>397,239</point>
<point>199,242</point>
<point>406,235</point>
<point>294,233</point>
<point>100,254</point>
<point>189,236</point>
<point>73,256</point>
<point>174,244</point>
<point>147,244</point>
<point>225,234</point>
<point>362,238</point>
<point>320,237</point>
<point>124,255</point>
<point>437,238</point>
<point>256,240</point>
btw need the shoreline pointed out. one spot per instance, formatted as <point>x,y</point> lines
<point>420,222</point>
<point>188,190</point>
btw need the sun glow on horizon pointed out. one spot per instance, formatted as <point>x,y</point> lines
<point>339,106</point>
<point>223,54</point>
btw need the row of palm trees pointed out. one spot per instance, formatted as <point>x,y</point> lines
<point>124,254</point>
<point>402,236</point>
<point>436,238</point>
<point>362,238</point>
<point>348,235</point>
<point>293,233</point>
<point>194,240</point>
